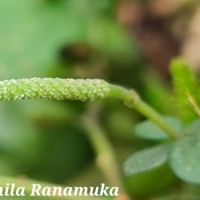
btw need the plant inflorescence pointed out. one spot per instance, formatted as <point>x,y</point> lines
<point>178,142</point>
<point>53,88</point>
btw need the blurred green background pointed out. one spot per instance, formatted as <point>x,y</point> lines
<point>125,42</point>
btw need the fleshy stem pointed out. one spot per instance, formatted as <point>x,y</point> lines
<point>132,100</point>
<point>78,89</point>
<point>106,158</point>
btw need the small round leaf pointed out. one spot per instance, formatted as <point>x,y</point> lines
<point>184,158</point>
<point>142,168</point>
<point>148,130</point>
<point>193,127</point>
<point>146,159</point>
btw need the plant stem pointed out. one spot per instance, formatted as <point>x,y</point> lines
<point>193,102</point>
<point>78,89</point>
<point>106,156</point>
<point>132,100</point>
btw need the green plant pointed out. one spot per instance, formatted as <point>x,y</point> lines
<point>179,147</point>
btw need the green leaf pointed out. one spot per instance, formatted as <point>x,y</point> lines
<point>143,167</point>
<point>184,79</point>
<point>193,127</point>
<point>184,158</point>
<point>148,130</point>
<point>146,159</point>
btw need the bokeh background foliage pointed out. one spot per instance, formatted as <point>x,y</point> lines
<point>121,41</point>
<point>43,139</point>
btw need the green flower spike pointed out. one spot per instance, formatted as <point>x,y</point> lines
<point>53,88</point>
<point>78,89</point>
